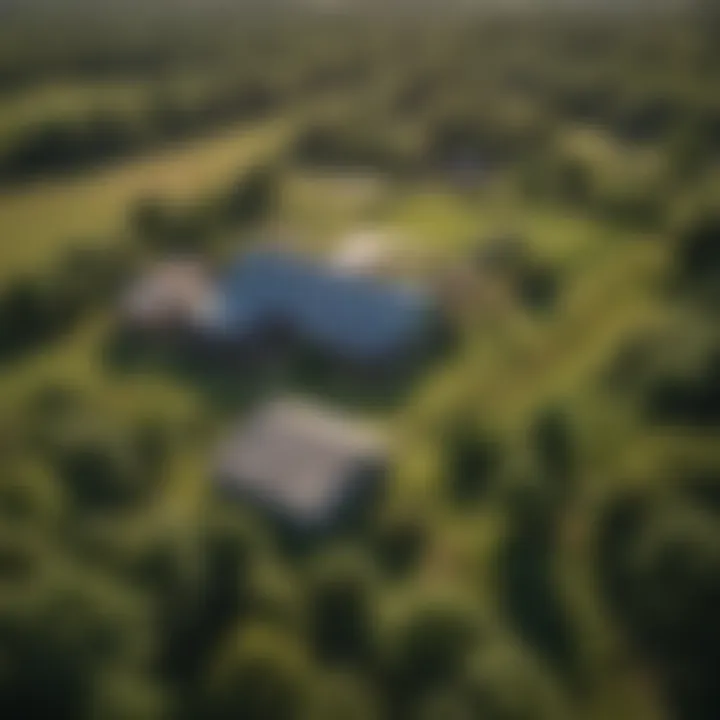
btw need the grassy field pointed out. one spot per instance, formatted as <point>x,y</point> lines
<point>38,221</point>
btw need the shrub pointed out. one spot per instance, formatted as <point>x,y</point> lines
<point>555,448</point>
<point>400,541</point>
<point>430,644</point>
<point>342,610</point>
<point>698,251</point>
<point>252,198</point>
<point>473,457</point>
<point>101,470</point>
<point>346,697</point>
<point>260,675</point>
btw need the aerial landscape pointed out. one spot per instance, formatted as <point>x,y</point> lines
<point>359,361</point>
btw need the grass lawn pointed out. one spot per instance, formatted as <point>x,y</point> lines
<point>448,223</point>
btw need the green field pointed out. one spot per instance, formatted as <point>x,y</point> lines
<point>38,221</point>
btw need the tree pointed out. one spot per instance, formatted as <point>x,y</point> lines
<point>201,580</point>
<point>91,272</point>
<point>39,657</point>
<point>62,625</point>
<point>691,399</point>
<point>400,540</point>
<point>539,286</point>
<point>101,469</point>
<point>27,314</point>
<point>574,181</point>
<point>252,198</point>
<point>555,448</point>
<point>119,694</point>
<point>647,117</point>
<point>168,118</point>
<point>260,674</point>
<point>473,457</point>
<point>346,697</point>
<point>152,221</point>
<point>659,564</point>
<point>698,252</point>
<point>430,644</point>
<point>54,145</point>
<point>106,135</point>
<point>503,682</point>
<point>529,593</point>
<point>445,704</point>
<point>342,610</point>
<point>29,494</point>
<point>152,441</point>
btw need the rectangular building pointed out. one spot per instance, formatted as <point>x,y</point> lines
<point>303,463</point>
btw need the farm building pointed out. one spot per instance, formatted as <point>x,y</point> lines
<point>176,294</point>
<point>358,319</point>
<point>303,463</point>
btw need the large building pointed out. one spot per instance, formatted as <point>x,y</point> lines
<point>304,464</point>
<point>277,300</point>
<point>359,319</point>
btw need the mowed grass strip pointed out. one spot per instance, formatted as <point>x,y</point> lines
<point>39,221</point>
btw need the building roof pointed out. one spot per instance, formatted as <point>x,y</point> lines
<point>363,252</point>
<point>359,318</point>
<point>177,289</point>
<point>299,460</point>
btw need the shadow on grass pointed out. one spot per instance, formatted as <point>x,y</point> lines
<point>231,379</point>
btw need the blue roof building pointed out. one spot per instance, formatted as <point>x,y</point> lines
<point>357,318</point>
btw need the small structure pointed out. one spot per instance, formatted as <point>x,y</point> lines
<point>364,252</point>
<point>175,295</point>
<point>303,463</point>
<point>363,321</point>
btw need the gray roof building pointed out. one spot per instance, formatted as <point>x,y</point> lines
<point>301,462</point>
<point>175,293</point>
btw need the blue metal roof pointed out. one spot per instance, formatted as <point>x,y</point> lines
<point>358,317</point>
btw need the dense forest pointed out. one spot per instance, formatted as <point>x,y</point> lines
<point>547,542</point>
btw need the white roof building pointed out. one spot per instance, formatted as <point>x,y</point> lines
<point>364,252</point>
